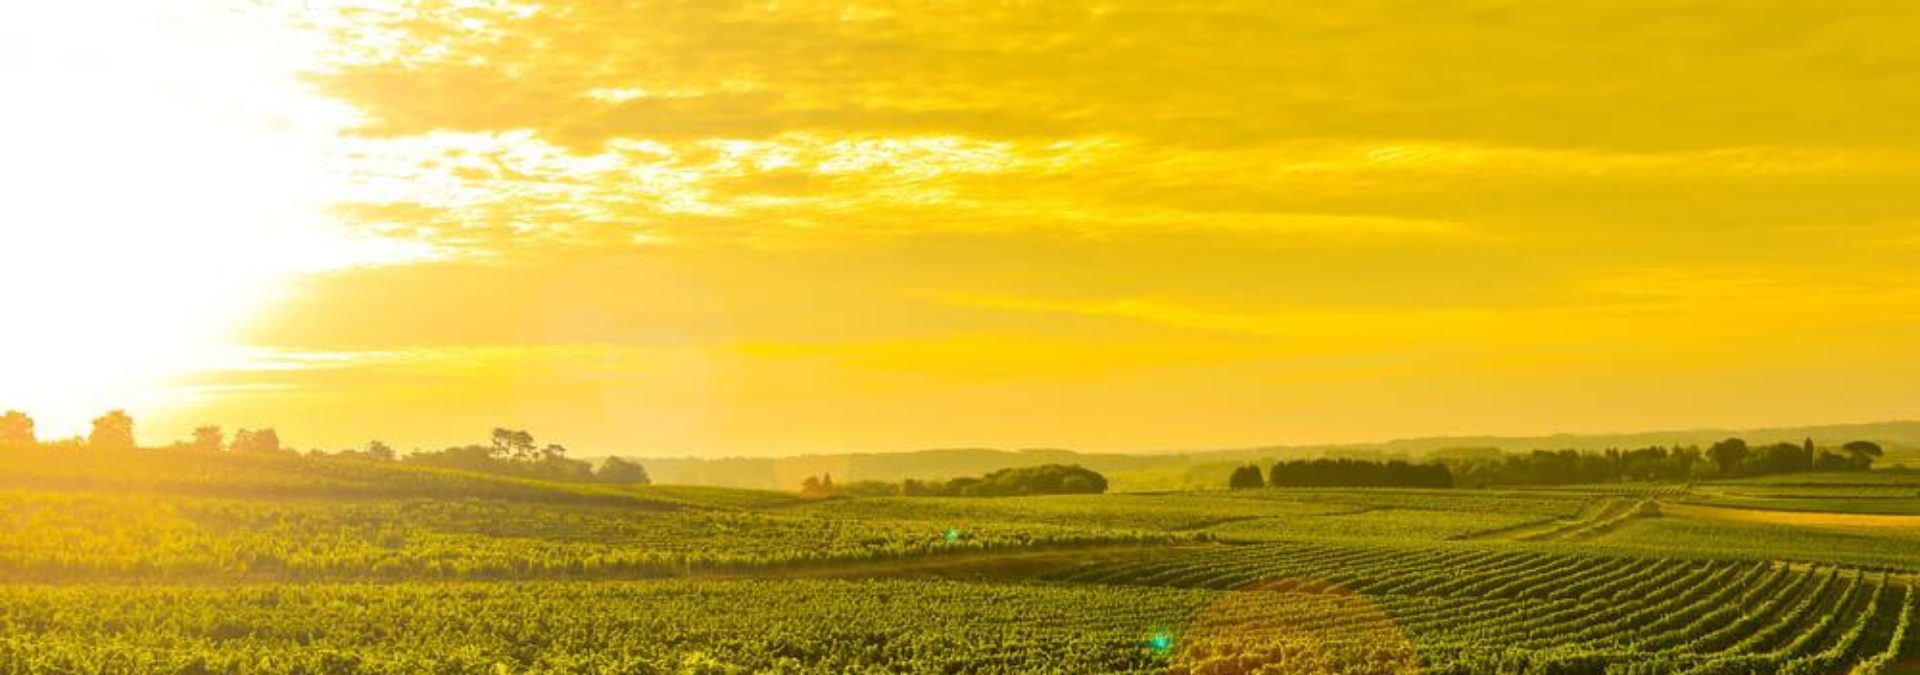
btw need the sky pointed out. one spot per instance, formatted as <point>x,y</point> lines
<point>708,227</point>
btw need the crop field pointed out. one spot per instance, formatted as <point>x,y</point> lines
<point>1890,492</point>
<point>357,567</point>
<point>1157,512</point>
<point>1373,524</point>
<point>1551,611</point>
<point>99,535</point>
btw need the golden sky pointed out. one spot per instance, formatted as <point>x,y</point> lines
<point>716,227</point>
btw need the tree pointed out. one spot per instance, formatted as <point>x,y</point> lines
<point>1078,485</point>
<point>869,488</point>
<point>1045,479</point>
<point>616,470</point>
<point>513,444</point>
<point>817,486</point>
<point>1828,461</point>
<point>1728,454</point>
<point>557,468</point>
<point>1246,477</point>
<point>208,439</point>
<point>465,458</point>
<point>1329,472</point>
<point>375,450</point>
<point>380,451</point>
<point>1863,453</point>
<point>263,440</point>
<point>16,429</point>
<point>112,431</point>
<point>1777,458</point>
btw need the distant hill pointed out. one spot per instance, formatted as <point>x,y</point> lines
<point>1903,434</point>
<point>788,472</point>
<point>1209,467</point>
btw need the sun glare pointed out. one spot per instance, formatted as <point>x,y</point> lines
<point>163,178</point>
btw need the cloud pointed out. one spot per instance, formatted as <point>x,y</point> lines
<point>1624,73</point>
<point>504,126</point>
<point>1157,220</point>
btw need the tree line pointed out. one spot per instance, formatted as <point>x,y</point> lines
<point>1046,479</point>
<point>112,431</point>
<point>509,451</point>
<point>1728,458</point>
<point>1342,473</point>
<point>513,452</point>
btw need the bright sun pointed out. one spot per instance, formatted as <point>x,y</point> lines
<point>162,179</point>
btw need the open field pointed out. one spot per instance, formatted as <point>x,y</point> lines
<point>370,567</point>
<point>1892,525</point>
<point>1892,492</point>
<point>1879,492</point>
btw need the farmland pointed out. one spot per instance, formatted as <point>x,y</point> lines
<point>294,564</point>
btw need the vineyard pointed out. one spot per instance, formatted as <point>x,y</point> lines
<point>93,535</point>
<point>309,565</point>
<point>1469,610</point>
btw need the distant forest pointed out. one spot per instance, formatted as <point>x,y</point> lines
<point>1047,479</point>
<point>514,452</point>
<point>1210,468</point>
<point>1727,458</point>
<point>1343,473</point>
<point>1731,457</point>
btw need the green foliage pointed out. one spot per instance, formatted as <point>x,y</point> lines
<point>1306,608</point>
<point>1246,478</point>
<point>187,561</point>
<point>551,465</point>
<point>586,627</point>
<point>281,475</point>
<point>1679,536</point>
<point>255,440</point>
<point>1396,525</point>
<point>112,431</point>
<point>80,535</point>
<point>16,430</point>
<point>1470,609</point>
<point>1528,502</point>
<point>514,453</point>
<point>1728,455</point>
<point>617,470</point>
<point>1046,479</point>
<point>717,497</point>
<point>1359,473</point>
<point>1572,467</point>
<point>1882,492</point>
<point>1168,513</point>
